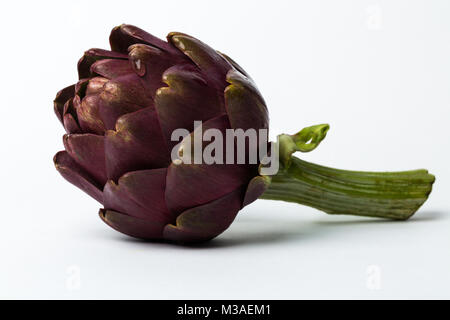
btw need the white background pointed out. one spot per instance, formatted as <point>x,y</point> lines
<point>377,71</point>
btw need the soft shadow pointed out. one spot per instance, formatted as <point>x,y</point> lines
<point>255,232</point>
<point>257,235</point>
<point>429,215</point>
<point>242,233</point>
<point>418,217</point>
<point>252,231</point>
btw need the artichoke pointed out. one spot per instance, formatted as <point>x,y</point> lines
<point>120,116</point>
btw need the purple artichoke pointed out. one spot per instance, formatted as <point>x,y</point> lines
<point>119,118</point>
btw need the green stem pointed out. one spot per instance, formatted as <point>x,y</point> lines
<point>394,195</point>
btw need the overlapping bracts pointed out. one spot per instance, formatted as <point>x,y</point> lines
<point>119,118</point>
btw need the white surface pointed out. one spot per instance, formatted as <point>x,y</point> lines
<point>377,71</point>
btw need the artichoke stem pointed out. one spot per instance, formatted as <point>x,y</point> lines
<point>393,195</point>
